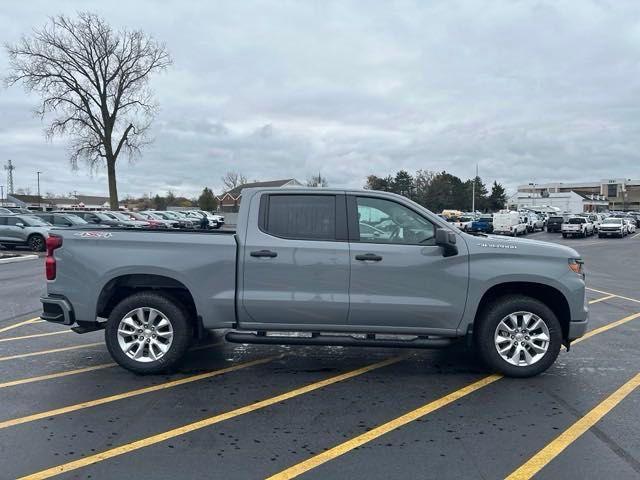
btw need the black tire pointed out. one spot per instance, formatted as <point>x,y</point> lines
<point>177,315</point>
<point>564,235</point>
<point>488,322</point>
<point>36,243</point>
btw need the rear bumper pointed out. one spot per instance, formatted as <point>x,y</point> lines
<point>57,309</point>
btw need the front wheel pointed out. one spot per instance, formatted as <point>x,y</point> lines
<point>518,336</point>
<point>36,243</point>
<point>148,332</point>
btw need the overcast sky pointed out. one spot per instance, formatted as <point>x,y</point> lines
<point>532,91</point>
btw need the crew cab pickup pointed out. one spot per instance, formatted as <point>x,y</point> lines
<point>318,267</point>
<point>577,226</point>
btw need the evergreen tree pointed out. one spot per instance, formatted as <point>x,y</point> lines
<point>403,184</point>
<point>207,200</point>
<point>498,198</point>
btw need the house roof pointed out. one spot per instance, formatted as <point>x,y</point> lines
<point>86,199</point>
<point>91,199</point>
<point>237,191</point>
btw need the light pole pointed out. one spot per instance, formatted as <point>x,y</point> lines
<point>1,194</point>
<point>39,200</point>
<point>533,194</point>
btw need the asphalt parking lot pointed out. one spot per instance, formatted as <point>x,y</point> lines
<point>243,412</point>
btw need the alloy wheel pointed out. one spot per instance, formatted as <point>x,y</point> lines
<point>522,338</point>
<point>145,334</point>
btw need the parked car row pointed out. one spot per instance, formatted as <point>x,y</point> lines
<point>21,227</point>
<point>515,223</point>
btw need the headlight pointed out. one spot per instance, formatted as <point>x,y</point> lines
<point>577,265</point>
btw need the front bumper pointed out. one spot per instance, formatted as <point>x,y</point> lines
<point>57,309</point>
<point>577,329</point>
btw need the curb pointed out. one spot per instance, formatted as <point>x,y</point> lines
<point>21,258</point>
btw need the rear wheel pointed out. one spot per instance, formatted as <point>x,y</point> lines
<point>148,332</point>
<point>518,336</point>
<point>36,243</point>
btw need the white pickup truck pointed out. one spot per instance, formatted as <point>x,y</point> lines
<point>577,226</point>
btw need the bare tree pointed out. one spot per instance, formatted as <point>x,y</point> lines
<point>232,180</point>
<point>317,181</point>
<point>94,82</point>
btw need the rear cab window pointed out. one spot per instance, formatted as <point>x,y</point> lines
<point>302,217</point>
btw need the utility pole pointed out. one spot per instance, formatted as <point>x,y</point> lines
<point>39,199</point>
<point>1,194</point>
<point>9,168</point>
<point>473,191</point>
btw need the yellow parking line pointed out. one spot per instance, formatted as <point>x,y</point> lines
<point>66,373</point>
<point>126,448</point>
<point>606,327</point>
<point>36,335</point>
<point>54,350</point>
<point>131,393</point>
<point>614,294</point>
<point>601,299</point>
<point>19,324</point>
<point>22,381</point>
<point>570,435</point>
<point>161,437</point>
<point>366,437</point>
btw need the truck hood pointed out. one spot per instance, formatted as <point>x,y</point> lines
<point>522,246</point>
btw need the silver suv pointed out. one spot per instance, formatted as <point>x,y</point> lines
<point>23,230</point>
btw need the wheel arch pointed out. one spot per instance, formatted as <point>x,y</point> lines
<point>550,296</point>
<point>122,286</point>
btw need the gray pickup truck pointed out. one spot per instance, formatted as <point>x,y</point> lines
<point>318,267</point>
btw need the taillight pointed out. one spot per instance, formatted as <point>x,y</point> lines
<point>53,242</point>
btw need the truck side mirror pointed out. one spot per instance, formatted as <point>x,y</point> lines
<point>447,240</point>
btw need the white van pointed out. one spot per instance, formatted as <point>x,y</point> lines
<point>509,223</point>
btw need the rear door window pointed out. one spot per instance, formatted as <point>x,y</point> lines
<point>300,217</point>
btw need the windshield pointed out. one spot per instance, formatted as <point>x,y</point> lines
<point>120,216</point>
<point>102,216</point>
<point>616,221</point>
<point>74,219</point>
<point>34,221</point>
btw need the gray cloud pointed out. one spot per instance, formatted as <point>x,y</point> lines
<point>532,91</point>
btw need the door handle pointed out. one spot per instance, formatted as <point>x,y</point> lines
<point>264,253</point>
<point>369,256</point>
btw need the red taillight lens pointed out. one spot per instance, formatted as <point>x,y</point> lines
<point>53,242</point>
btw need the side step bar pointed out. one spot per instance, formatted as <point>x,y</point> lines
<point>335,340</point>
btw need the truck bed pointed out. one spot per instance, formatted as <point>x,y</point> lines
<point>202,261</point>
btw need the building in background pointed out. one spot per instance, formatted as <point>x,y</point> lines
<point>618,193</point>
<point>230,201</point>
<point>32,202</point>
<point>561,202</point>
